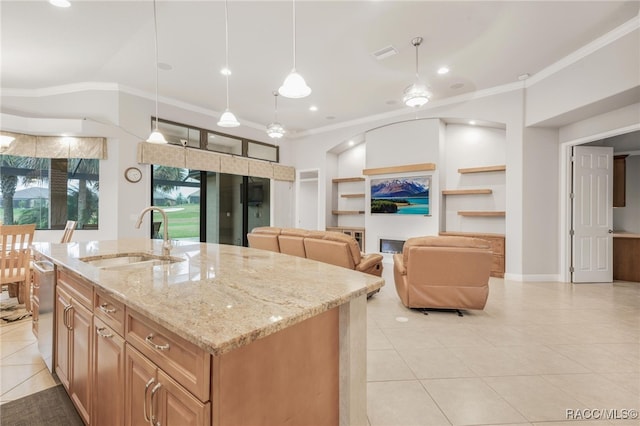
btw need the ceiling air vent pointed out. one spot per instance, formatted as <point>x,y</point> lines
<point>385,52</point>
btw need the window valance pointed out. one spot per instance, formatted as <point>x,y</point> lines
<point>197,159</point>
<point>56,146</point>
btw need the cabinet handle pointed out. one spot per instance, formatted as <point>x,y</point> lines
<point>65,318</point>
<point>155,389</point>
<point>103,308</point>
<point>101,332</point>
<point>144,404</point>
<point>149,338</point>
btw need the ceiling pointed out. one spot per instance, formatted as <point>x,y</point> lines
<point>485,44</point>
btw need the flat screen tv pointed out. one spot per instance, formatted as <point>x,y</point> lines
<point>401,195</point>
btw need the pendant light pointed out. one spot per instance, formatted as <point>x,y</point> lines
<point>227,119</point>
<point>294,85</point>
<point>417,94</point>
<point>275,129</point>
<point>156,136</point>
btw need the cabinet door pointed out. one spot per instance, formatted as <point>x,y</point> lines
<point>63,304</point>
<point>140,378</point>
<point>175,406</point>
<point>108,375</point>
<point>81,321</point>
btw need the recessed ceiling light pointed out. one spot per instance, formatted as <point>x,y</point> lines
<point>225,71</point>
<point>443,70</point>
<point>524,76</point>
<point>60,3</point>
<point>313,108</point>
<point>472,122</point>
<point>351,143</point>
<point>164,66</point>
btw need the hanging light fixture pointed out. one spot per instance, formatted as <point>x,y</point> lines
<point>294,85</point>
<point>156,136</point>
<point>275,129</point>
<point>227,119</point>
<point>417,94</point>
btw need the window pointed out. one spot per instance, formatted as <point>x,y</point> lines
<point>177,133</point>
<point>49,191</point>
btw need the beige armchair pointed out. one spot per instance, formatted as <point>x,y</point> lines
<point>443,273</point>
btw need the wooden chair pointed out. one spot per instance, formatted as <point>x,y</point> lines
<point>68,231</point>
<point>15,256</point>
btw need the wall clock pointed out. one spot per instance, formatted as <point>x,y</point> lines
<point>133,174</point>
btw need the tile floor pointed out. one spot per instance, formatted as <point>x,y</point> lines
<point>536,351</point>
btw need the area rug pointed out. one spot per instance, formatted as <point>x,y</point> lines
<point>48,407</point>
<point>12,312</point>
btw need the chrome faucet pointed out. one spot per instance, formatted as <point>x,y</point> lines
<point>166,245</point>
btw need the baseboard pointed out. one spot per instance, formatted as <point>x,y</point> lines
<point>533,277</point>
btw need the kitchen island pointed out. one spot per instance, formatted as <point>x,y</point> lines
<point>215,334</point>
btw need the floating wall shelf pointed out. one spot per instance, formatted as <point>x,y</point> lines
<point>352,195</point>
<point>347,212</point>
<point>347,179</point>
<point>421,167</point>
<point>499,168</point>
<point>482,213</point>
<point>466,191</point>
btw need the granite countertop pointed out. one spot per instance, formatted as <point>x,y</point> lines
<point>218,297</point>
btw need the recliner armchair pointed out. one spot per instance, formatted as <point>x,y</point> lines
<point>443,272</point>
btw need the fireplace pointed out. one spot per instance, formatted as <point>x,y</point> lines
<point>392,246</point>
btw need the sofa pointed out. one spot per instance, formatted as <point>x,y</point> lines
<point>443,272</point>
<point>324,246</point>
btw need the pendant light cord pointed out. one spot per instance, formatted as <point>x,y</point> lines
<point>226,54</point>
<point>275,95</point>
<point>294,34</point>
<point>417,74</point>
<point>155,33</point>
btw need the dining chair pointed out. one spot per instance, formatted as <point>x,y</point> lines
<point>15,257</point>
<point>68,231</point>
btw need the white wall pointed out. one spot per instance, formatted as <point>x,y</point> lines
<point>350,164</point>
<point>474,146</point>
<point>541,205</point>
<point>409,142</point>
<point>627,218</point>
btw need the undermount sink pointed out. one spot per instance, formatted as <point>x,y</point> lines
<point>128,260</point>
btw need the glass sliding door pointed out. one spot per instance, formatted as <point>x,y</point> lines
<point>177,191</point>
<point>209,207</point>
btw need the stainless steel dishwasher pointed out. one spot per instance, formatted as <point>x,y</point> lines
<point>45,278</point>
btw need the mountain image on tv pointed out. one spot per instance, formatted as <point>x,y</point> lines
<point>398,188</point>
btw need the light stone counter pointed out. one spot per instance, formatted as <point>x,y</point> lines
<point>219,297</point>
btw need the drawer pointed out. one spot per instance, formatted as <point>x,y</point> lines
<point>79,289</point>
<point>109,310</point>
<point>185,362</point>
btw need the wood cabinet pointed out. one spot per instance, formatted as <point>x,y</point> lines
<point>626,252</point>
<point>108,375</point>
<point>619,180</point>
<point>497,243</point>
<point>356,232</point>
<point>153,397</point>
<point>74,328</point>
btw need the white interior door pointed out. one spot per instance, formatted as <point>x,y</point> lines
<point>592,242</point>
